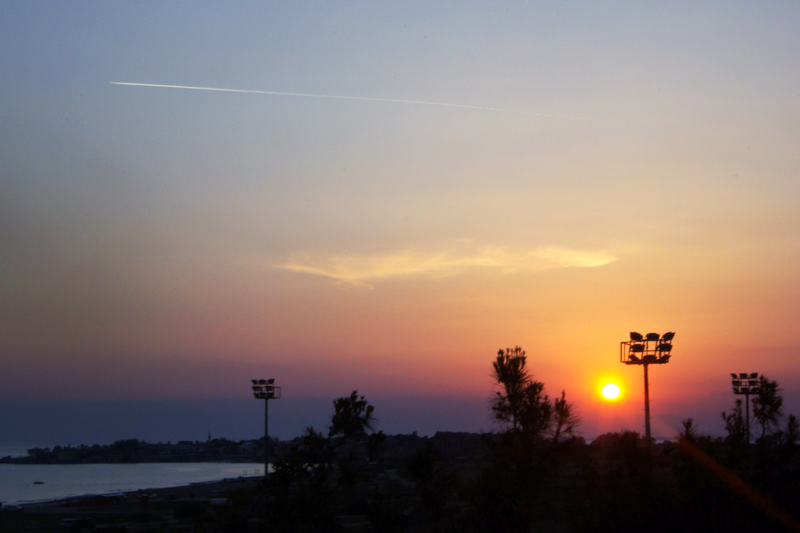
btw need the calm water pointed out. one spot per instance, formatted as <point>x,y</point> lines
<point>61,481</point>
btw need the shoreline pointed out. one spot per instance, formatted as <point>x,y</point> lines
<point>190,491</point>
<point>31,485</point>
<point>141,510</point>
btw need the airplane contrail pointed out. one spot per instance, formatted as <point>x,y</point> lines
<point>307,95</point>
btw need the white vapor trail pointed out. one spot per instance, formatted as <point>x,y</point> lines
<point>306,95</point>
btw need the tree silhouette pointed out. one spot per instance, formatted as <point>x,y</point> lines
<point>525,454</point>
<point>565,420</point>
<point>352,417</point>
<point>307,474</point>
<point>767,406</point>
<point>735,424</point>
<point>304,499</point>
<point>511,375</point>
<point>792,433</point>
<point>522,406</point>
<point>689,431</point>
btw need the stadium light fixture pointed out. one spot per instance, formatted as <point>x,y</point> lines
<point>746,384</point>
<point>263,389</point>
<point>646,350</point>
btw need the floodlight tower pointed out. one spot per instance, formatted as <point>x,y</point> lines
<point>747,384</point>
<point>264,389</point>
<point>646,350</point>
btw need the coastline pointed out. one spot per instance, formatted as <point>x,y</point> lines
<point>140,510</point>
<point>199,490</point>
<point>31,484</point>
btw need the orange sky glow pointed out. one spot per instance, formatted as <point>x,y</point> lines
<point>591,171</point>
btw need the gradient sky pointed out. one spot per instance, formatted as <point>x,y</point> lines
<point>599,168</point>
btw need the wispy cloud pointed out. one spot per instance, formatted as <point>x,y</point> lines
<point>364,269</point>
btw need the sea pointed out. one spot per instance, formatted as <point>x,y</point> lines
<point>25,484</point>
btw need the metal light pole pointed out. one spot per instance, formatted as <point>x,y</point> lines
<point>264,389</point>
<point>746,384</point>
<point>646,350</point>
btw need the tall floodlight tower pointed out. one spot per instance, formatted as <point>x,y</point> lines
<point>265,389</point>
<point>747,384</point>
<point>646,350</point>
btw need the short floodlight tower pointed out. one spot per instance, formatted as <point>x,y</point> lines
<point>265,389</point>
<point>747,384</point>
<point>646,350</point>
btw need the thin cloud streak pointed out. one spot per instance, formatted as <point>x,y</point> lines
<point>360,270</point>
<point>337,97</point>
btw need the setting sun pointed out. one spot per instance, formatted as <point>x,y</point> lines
<point>610,391</point>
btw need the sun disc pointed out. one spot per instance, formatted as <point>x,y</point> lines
<point>611,391</point>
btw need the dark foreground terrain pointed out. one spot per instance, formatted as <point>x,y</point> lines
<point>172,509</point>
<point>471,483</point>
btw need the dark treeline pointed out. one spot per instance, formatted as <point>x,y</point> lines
<point>138,451</point>
<point>222,450</point>
<point>533,474</point>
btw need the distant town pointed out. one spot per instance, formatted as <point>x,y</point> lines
<point>219,450</point>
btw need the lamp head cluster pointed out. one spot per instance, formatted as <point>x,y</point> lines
<point>650,349</point>
<point>744,383</point>
<point>264,389</point>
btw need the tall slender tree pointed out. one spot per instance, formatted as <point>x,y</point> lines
<point>525,454</point>
<point>768,406</point>
<point>512,376</point>
<point>521,404</point>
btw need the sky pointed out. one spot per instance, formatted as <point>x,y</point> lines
<point>406,188</point>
